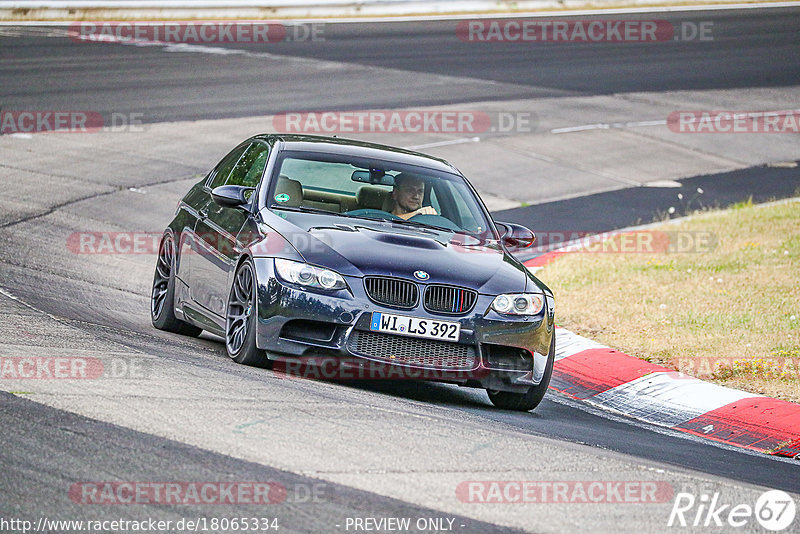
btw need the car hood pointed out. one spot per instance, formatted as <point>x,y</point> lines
<point>361,248</point>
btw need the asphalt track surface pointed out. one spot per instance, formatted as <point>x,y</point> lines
<point>750,48</point>
<point>93,447</point>
<point>44,449</point>
<point>613,210</point>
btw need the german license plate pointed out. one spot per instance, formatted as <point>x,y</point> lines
<point>414,326</point>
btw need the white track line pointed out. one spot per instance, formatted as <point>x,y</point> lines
<point>444,143</point>
<point>608,126</point>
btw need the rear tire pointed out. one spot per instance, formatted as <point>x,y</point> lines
<point>240,321</point>
<point>162,296</point>
<point>525,402</point>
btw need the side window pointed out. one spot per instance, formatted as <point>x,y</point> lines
<point>224,168</point>
<point>468,219</point>
<point>453,207</point>
<point>250,167</point>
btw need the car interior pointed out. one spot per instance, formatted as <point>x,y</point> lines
<point>372,201</point>
<point>366,197</point>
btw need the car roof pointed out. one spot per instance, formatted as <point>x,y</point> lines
<point>339,145</point>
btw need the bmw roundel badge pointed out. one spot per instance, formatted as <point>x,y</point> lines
<point>421,275</point>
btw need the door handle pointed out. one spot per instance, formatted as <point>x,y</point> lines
<point>203,213</point>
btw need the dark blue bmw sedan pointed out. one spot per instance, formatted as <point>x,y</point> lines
<point>307,251</point>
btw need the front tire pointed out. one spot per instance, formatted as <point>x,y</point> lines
<point>240,321</point>
<point>525,402</point>
<point>162,297</point>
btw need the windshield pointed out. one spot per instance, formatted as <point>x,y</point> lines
<point>351,186</point>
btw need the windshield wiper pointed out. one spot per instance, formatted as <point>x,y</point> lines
<point>308,209</point>
<point>421,225</point>
<point>399,220</point>
<point>304,209</point>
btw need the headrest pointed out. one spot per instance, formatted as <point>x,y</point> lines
<point>371,196</point>
<point>292,188</point>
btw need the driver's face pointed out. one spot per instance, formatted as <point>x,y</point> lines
<point>409,195</point>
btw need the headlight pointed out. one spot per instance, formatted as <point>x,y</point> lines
<point>307,275</point>
<point>518,304</point>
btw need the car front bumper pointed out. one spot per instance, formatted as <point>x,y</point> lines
<point>327,335</point>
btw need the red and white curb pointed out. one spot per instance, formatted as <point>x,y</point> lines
<point>601,376</point>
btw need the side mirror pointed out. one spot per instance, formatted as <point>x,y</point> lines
<point>231,196</point>
<point>516,236</point>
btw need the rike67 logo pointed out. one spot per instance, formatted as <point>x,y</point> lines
<point>774,510</point>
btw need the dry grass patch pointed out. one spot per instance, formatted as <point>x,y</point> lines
<point>730,315</point>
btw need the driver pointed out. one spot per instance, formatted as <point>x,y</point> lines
<point>407,194</point>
